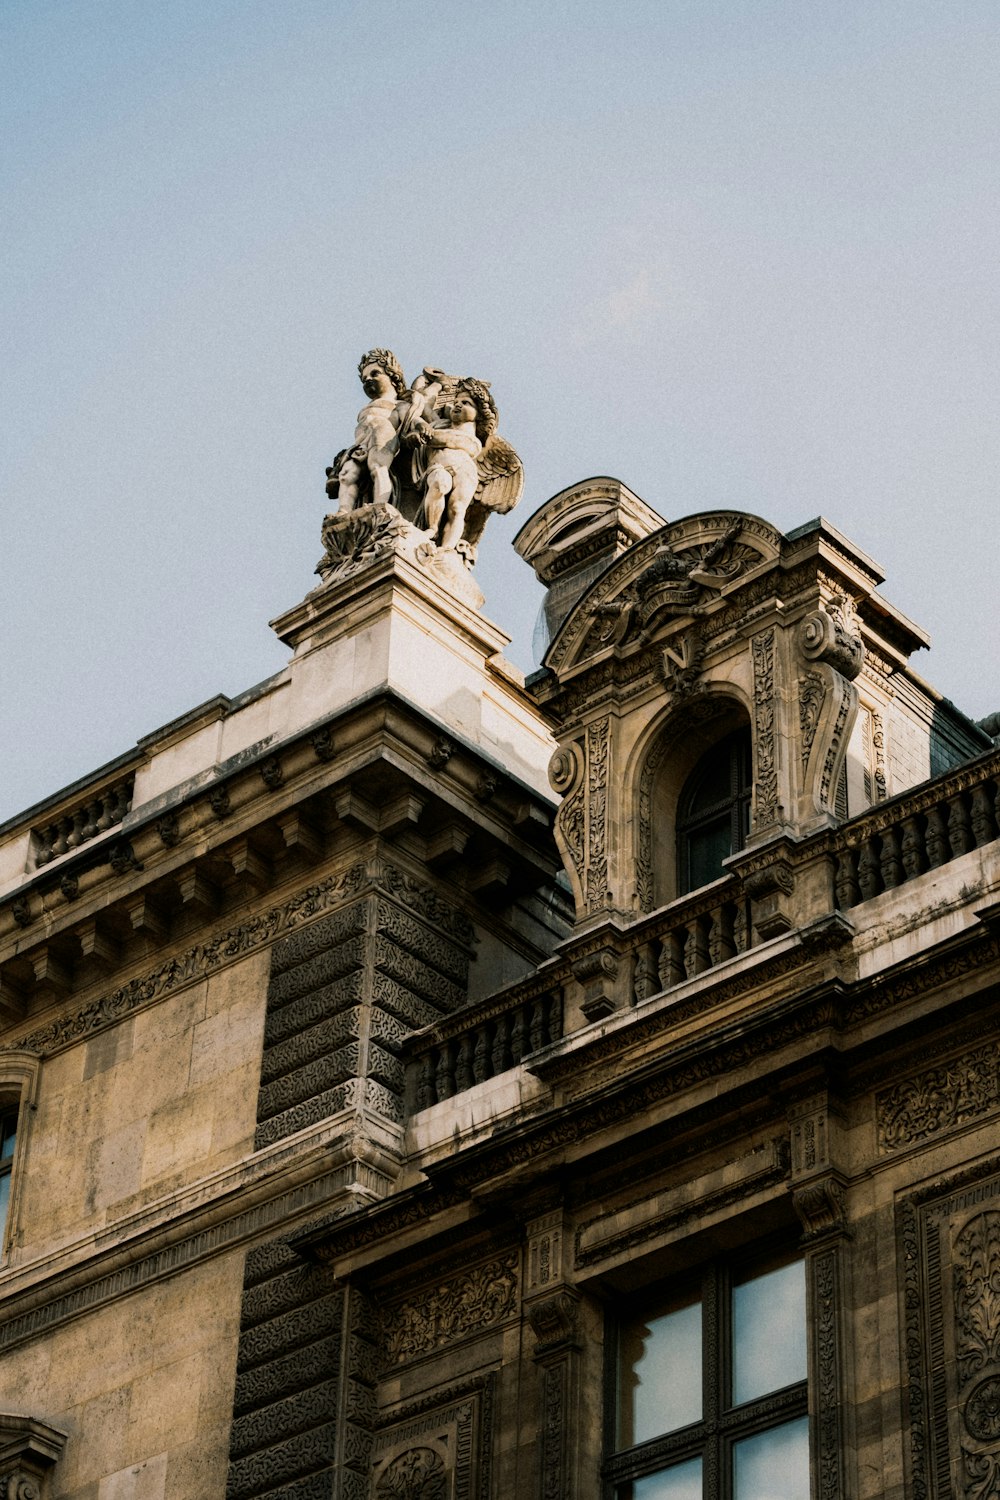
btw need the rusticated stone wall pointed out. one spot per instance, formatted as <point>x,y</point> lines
<point>298,1333</point>
<point>345,991</point>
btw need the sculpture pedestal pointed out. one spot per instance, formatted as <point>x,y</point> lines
<point>356,539</point>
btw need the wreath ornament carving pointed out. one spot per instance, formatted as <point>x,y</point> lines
<point>417,1474</point>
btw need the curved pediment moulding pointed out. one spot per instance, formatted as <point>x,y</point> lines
<point>683,570</point>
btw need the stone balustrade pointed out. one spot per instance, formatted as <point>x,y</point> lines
<point>484,1042</point>
<point>900,839</point>
<point>690,936</point>
<point>918,831</point>
<point>95,815</point>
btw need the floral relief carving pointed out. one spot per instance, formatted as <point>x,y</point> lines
<point>233,942</point>
<point>881,788</point>
<point>938,1098</point>
<point>417,1474</point>
<point>847,698</point>
<point>977,1351</point>
<point>462,1306</point>
<point>598,758</point>
<point>765,759</point>
<point>811,695</point>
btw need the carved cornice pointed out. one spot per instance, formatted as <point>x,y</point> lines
<point>233,943</point>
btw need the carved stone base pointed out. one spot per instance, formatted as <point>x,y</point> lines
<point>357,538</point>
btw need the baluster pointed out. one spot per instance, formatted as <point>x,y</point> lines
<point>537,1036</point>
<point>959,832</point>
<point>742,930</point>
<point>75,835</point>
<point>696,955</point>
<point>720,938</point>
<point>938,848</point>
<point>996,803</point>
<point>480,1055</point>
<point>517,1033</point>
<point>890,863</point>
<point>46,841</point>
<point>500,1056</point>
<point>984,826</point>
<point>463,1064</point>
<point>90,828</point>
<point>671,961</point>
<point>444,1077</point>
<point>912,847</point>
<point>846,883</point>
<point>645,980</point>
<point>869,873</point>
<point>426,1092</point>
<point>107,814</point>
<point>554,1016</point>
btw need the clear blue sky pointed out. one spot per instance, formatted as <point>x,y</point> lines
<point>737,254</point>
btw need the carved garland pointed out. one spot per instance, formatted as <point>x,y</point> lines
<point>829,1436</point>
<point>598,765</point>
<point>765,763</point>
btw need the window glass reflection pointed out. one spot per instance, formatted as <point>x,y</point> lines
<point>773,1465</point>
<point>682,1482</point>
<point>660,1375</point>
<point>769,1332</point>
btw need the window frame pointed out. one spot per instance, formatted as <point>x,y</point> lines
<point>20,1071</point>
<point>737,804</point>
<point>713,1437</point>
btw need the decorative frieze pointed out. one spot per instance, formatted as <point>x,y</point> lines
<point>938,1098</point>
<point>460,1307</point>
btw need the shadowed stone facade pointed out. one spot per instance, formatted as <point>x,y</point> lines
<point>385,1061</point>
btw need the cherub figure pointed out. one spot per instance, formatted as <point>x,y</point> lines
<point>376,438</point>
<point>452,446</point>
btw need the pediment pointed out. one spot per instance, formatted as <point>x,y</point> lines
<point>682,570</point>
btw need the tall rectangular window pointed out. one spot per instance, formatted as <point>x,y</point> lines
<point>8,1140</point>
<point>710,1399</point>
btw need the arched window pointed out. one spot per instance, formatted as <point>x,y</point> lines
<point>713,813</point>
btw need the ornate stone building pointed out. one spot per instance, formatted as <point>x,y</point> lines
<point>420,1085</point>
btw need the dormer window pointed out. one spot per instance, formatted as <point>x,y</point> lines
<point>713,814</point>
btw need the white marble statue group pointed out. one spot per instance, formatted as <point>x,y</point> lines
<point>430,451</point>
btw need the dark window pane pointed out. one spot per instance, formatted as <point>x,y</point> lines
<point>8,1135</point>
<point>708,846</point>
<point>660,1375</point>
<point>712,782</point>
<point>769,1332</point>
<point>773,1465</point>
